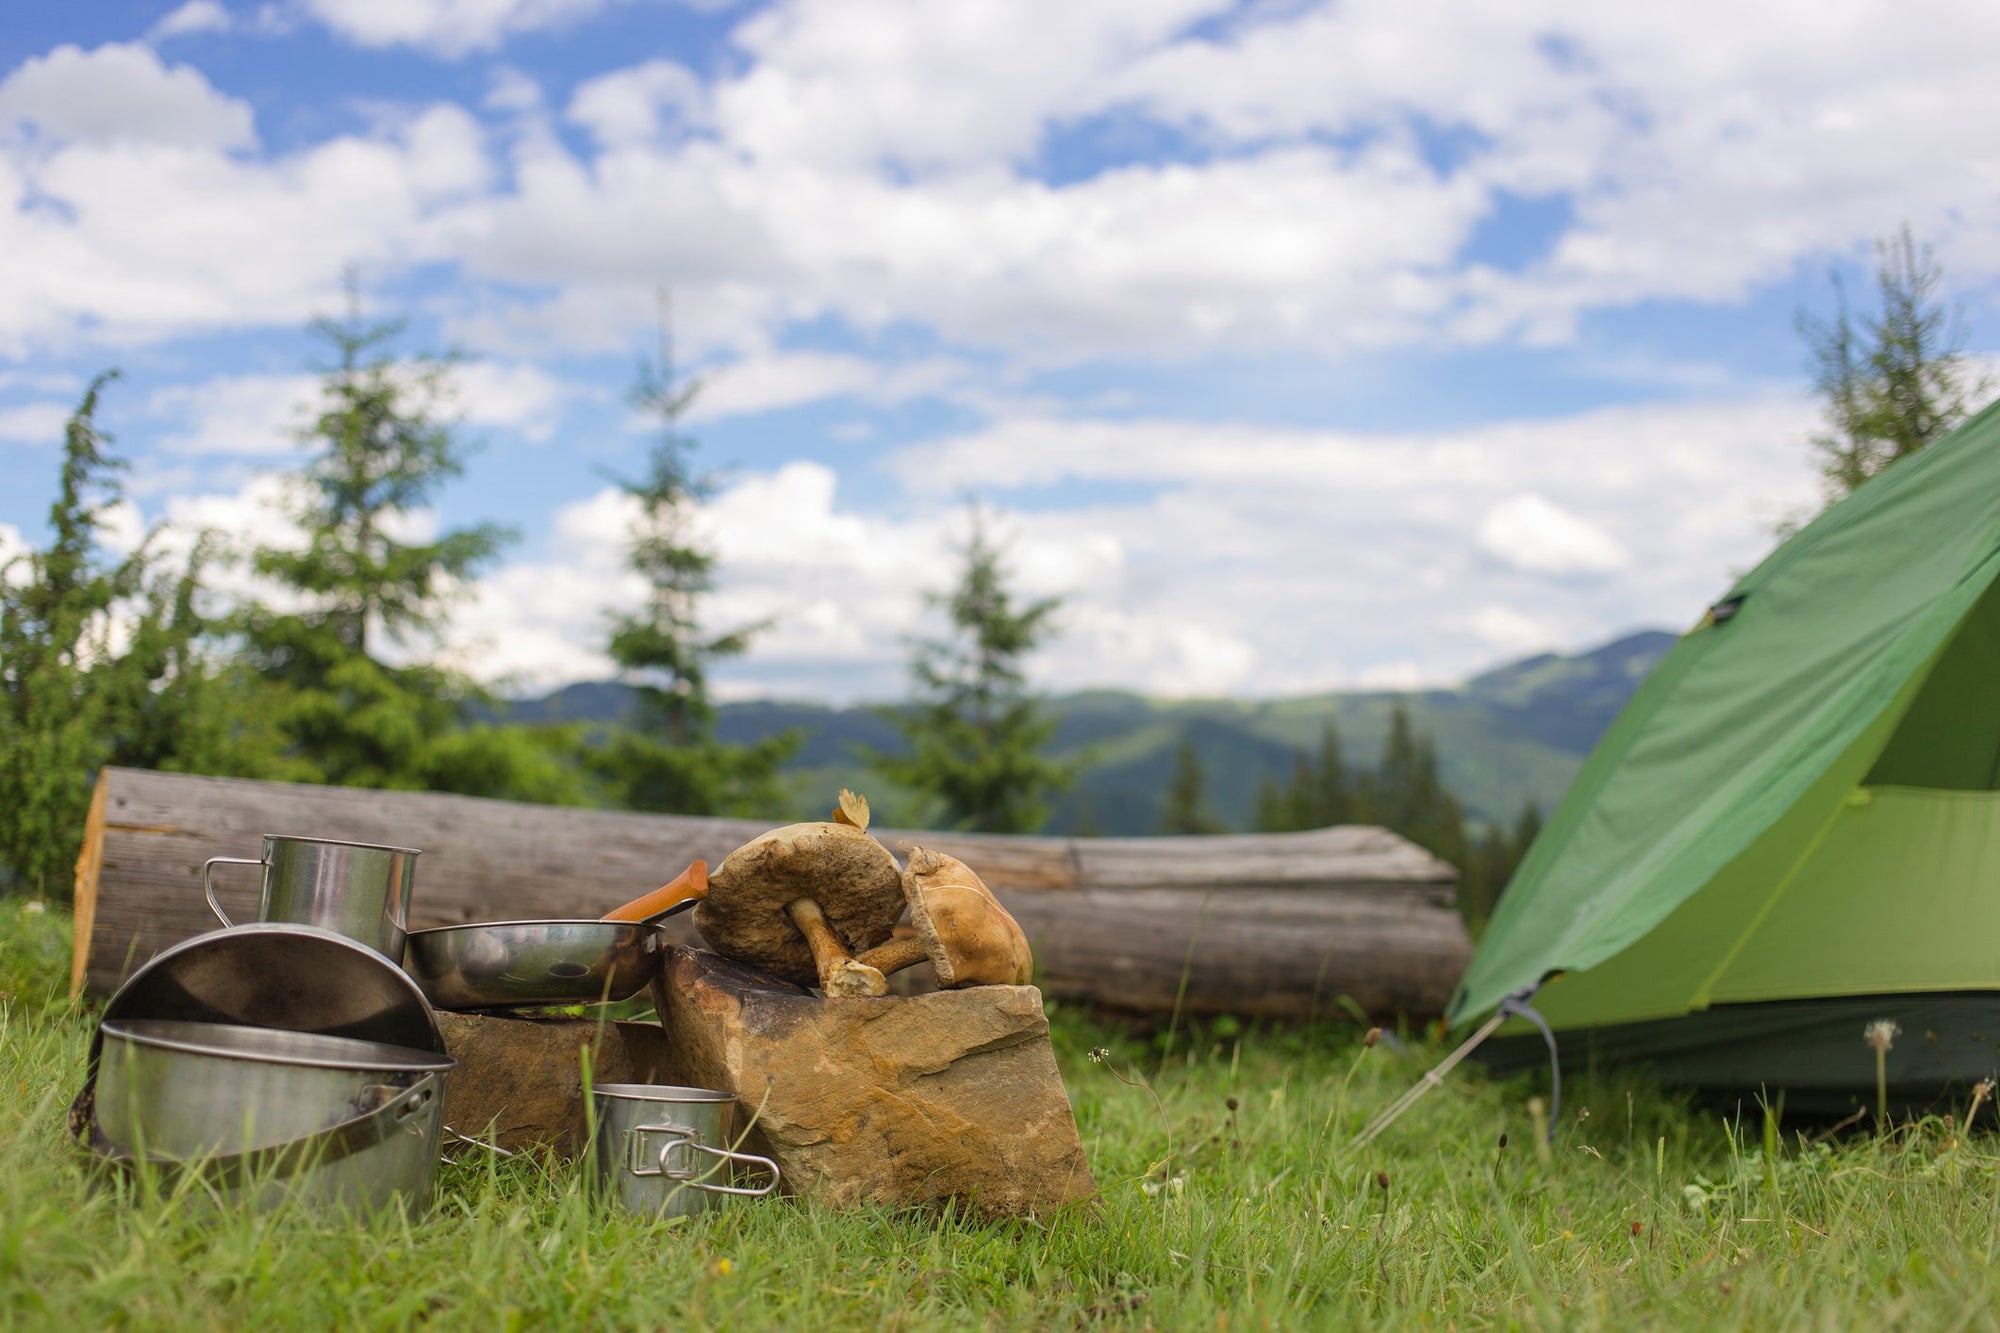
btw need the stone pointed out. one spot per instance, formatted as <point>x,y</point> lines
<point>519,1081</point>
<point>898,1100</point>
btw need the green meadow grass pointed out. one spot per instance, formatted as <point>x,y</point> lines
<point>1232,1202</point>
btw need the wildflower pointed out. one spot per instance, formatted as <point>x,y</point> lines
<point>1503,1138</point>
<point>1980,1092</point>
<point>1099,1054</point>
<point>1381,1180</point>
<point>1229,1102</point>
<point>1881,1035</point>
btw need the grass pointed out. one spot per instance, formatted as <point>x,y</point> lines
<point>1642,1213</point>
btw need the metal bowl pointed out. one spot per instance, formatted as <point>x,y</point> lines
<point>507,964</point>
<point>272,975</point>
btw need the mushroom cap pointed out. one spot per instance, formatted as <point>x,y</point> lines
<point>851,876</point>
<point>971,938</point>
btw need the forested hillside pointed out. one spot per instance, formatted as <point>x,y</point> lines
<point>1514,735</point>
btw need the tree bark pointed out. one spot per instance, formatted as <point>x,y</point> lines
<point>1286,925</point>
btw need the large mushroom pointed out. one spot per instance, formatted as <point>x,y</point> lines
<point>969,938</point>
<point>802,900</point>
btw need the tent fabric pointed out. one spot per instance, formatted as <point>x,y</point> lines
<point>1810,1052</point>
<point>1710,835</point>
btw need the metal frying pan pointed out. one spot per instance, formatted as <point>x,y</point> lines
<point>509,964</point>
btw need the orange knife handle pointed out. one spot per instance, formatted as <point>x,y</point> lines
<point>690,883</point>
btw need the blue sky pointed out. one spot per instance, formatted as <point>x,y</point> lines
<point>1295,345</point>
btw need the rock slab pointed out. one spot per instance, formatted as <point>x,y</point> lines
<point>899,1100</point>
<point>519,1081</point>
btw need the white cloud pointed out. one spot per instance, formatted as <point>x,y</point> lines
<point>243,415</point>
<point>886,164</point>
<point>122,94</point>
<point>1530,533</point>
<point>35,423</point>
<point>512,395</point>
<point>1511,631</point>
<point>12,545</point>
<point>448,28</point>
<point>633,106</point>
<point>772,381</point>
<point>261,415</point>
<point>221,241</point>
<point>192,17</point>
<point>853,84</point>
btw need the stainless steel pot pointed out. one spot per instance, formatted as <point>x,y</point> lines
<point>357,889</point>
<point>269,1114</point>
<point>662,1151</point>
<point>504,964</point>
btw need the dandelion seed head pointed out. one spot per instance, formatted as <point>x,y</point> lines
<point>1882,1034</point>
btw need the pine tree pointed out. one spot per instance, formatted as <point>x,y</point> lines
<point>668,759</point>
<point>1320,792</point>
<point>1891,382</point>
<point>1410,798</point>
<point>1186,809</point>
<point>975,733</point>
<point>381,444</point>
<point>1333,794</point>
<point>101,662</point>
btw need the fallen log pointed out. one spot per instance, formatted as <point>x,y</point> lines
<point>1257,925</point>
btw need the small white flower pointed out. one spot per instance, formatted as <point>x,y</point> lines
<point>1882,1034</point>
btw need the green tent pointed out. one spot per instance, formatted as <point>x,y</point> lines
<point>1793,828</point>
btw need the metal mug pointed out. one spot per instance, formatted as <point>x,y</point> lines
<point>656,1149</point>
<point>356,889</point>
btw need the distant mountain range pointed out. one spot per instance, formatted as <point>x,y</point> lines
<point>1510,736</point>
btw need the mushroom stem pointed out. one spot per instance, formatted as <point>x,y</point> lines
<point>899,953</point>
<point>840,975</point>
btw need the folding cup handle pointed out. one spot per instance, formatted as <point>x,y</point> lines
<point>208,886</point>
<point>639,1155</point>
<point>762,1163</point>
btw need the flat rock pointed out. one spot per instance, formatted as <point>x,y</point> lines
<point>898,1100</point>
<point>519,1081</point>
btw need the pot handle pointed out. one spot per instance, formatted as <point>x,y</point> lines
<point>208,886</point>
<point>284,1160</point>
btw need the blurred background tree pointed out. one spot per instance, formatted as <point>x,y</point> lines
<point>975,732</point>
<point>667,757</point>
<point>380,445</point>
<point>1186,808</point>
<point>102,662</point>
<point>1892,381</point>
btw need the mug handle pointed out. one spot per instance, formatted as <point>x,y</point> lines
<point>208,886</point>
<point>764,1163</point>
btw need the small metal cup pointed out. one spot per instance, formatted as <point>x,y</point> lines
<point>658,1150</point>
<point>356,889</point>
